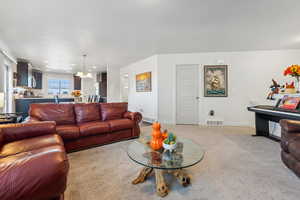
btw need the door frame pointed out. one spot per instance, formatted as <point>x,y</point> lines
<point>198,66</point>
<point>122,79</point>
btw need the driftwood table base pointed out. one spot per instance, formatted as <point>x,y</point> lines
<point>161,186</point>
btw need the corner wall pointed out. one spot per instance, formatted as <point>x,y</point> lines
<point>144,102</point>
<point>113,84</point>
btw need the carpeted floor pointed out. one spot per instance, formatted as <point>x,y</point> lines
<point>236,167</point>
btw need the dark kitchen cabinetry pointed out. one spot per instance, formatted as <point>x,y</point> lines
<point>37,79</point>
<point>77,83</point>
<point>22,74</point>
<point>28,77</point>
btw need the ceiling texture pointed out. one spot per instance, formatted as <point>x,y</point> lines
<point>55,33</point>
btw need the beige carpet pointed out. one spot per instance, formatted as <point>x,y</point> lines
<point>236,166</point>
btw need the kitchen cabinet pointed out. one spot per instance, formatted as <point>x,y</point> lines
<point>28,77</point>
<point>22,74</point>
<point>77,83</point>
<point>102,79</point>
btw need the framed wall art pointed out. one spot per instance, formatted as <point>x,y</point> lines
<point>143,82</point>
<point>215,81</point>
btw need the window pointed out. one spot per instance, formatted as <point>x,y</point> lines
<point>56,86</point>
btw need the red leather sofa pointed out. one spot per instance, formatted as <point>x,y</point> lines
<point>290,144</point>
<point>33,162</point>
<point>89,124</point>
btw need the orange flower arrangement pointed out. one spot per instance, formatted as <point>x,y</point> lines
<point>76,93</point>
<point>293,70</point>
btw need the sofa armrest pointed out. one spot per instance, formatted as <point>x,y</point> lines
<point>290,126</point>
<point>135,116</point>
<point>13,132</point>
<point>37,174</point>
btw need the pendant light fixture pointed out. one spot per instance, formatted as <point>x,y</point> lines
<point>83,73</point>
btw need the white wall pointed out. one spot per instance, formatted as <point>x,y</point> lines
<point>144,102</point>
<point>12,68</point>
<point>88,85</point>
<point>1,78</point>
<point>1,73</point>
<point>113,84</point>
<point>249,75</point>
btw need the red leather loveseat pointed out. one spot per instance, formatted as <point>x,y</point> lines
<point>33,162</point>
<point>89,124</point>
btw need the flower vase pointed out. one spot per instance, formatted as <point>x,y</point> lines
<point>157,139</point>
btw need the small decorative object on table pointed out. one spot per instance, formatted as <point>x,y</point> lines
<point>165,134</point>
<point>157,137</point>
<point>169,143</point>
<point>274,90</point>
<point>294,71</point>
<point>290,88</point>
<point>76,94</point>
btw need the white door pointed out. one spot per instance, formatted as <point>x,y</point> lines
<point>187,94</point>
<point>124,87</point>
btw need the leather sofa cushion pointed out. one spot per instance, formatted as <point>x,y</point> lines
<point>93,128</point>
<point>14,132</point>
<point>120,124</point>
<point>60,113</point>
<point>38,174</point>
<point>294,148</point>
<point>68,132</point>
<point>30,144</point>
<point>87,112</point>
<point>110,111</point>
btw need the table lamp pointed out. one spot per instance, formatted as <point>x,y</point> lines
<point>1,100</point>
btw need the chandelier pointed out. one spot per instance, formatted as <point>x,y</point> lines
<point>83,73</point>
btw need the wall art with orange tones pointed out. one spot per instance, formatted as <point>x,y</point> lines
<point>143,82</point>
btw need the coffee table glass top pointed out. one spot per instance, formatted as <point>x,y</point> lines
<point>186,154</point>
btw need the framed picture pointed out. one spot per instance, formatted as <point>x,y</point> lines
<point>215,81</point>
<point>143,82</point>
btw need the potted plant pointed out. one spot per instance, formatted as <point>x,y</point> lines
<point>170,142</point>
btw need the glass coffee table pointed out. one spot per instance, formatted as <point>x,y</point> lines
<point>185,155</point>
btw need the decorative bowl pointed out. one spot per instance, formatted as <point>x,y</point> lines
<point>169,147</point>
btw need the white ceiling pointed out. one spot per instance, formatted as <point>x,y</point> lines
<point>118,32</point>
